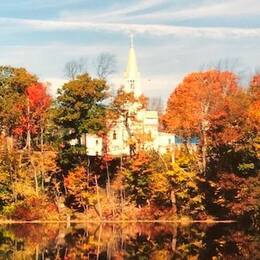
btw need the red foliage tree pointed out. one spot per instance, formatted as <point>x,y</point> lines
<point>34,110</point>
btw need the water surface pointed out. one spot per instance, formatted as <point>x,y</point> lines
<point>128,241</point>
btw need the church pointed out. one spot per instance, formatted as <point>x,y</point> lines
<point>119,139</point>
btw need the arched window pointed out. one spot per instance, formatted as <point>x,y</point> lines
<point>114,135</point>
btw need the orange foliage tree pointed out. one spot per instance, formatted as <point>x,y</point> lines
<point>225,118</point>
<point>200,98</point>
<point>80,188</point>
<point>254,107</point>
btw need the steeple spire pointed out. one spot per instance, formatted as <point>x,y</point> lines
<point>132,75</point>
<point>132,68</point>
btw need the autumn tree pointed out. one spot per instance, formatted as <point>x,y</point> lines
<point>13,85</point>
<point>79,188</point>
<point>254,107</point>
<point>233,172</point>
<point>80,110</point>
<point>124,108</point>
<point>152,180</point>
<point>33,113</point>
<point>199,98</point>
<point>211,106</point>
<point>79,107</point>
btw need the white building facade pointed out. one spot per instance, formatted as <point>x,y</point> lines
<point>122,140</point>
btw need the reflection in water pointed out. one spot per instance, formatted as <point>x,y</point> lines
<point>129,241</point>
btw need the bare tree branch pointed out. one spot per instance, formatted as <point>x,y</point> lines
<point>228,64</point>
<point>105,65</point>
<point>156,104</point>
<point>74,68</point>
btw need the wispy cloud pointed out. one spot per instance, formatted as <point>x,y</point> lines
<point>163,60</point>
<point>116,12</point>
<point>153,29</point>
<point>209,9</point>
<point>37,4</point>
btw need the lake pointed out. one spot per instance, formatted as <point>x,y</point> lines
<point>129,241</point>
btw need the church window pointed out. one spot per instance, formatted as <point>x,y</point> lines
<point>96,141</point>
<point>132,84</point>
<point>114,135</point>
<point>169,141</point>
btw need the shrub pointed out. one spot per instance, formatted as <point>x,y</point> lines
<point>34,208</point>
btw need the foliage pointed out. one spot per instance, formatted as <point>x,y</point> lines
<point>199,97</point>
<point>185,180</point>
<point>13,85</point>
<point>80,108</point>
<point>34,208</point>
<point>150,179</point>
<point>137,173</point>
<point>236,196</point>
<point>210,105</point>
<point>43,157</point>
<point>80,188</point>
<point>124,108</point>
<point>233,173</point>
<point>33,112</point>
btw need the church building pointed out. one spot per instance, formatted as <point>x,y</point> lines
<point>124,139</point>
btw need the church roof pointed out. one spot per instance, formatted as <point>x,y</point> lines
<point>132,68</point>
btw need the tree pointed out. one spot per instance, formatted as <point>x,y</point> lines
<point>233,159</point>
<point>33,113</point>
<point>13,85</point>
<point>74,68</point>
<point>233,65</point>
<point>80,107</point>
<point>80,110</point>
<point>200,97</point>
<point>152,180</point>
<point>156,104</point>
<point>125,108</point>
<point>79,188</point>
<point>254,107</point>
<point>105,65</point>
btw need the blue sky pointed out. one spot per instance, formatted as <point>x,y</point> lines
<point>172,37</point>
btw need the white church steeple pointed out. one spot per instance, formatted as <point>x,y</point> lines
<point>132,75</point>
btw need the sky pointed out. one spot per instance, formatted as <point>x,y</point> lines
<point>172,37</point>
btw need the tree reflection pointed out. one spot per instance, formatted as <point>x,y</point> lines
<point>128,241</point>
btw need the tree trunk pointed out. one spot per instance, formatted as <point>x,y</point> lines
<point>108,181</point>
<point>173,153</point>
<point>28,139</point>
<point>42,163</point>
<point>204,150</point>
<point>98,197</point>
<point>35,178</point>
<point>173,200</point>
<point>36,182</point>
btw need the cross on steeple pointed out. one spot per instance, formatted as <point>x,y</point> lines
<point>131,40</point>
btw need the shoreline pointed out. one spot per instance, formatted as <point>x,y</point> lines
<point>4,222</point>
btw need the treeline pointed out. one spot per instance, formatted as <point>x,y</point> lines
<point>44,176</point>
